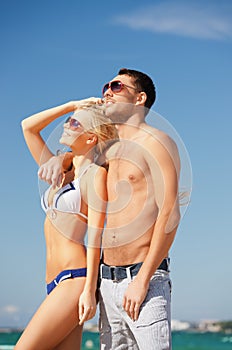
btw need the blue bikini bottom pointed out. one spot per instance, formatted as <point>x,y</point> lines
<point>66,274</point>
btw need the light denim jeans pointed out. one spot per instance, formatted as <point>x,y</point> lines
<point>152,330</point>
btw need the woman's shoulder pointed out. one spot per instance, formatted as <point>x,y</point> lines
<point>96,178</point>
<point>95,173</point>
<point>96,170</point>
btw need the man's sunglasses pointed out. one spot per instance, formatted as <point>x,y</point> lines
<point>74,124</point>
<point>115,86</point>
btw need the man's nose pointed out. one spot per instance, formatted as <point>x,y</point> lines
<point>108,92</point>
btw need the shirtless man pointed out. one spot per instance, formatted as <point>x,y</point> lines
<point>142,219</point>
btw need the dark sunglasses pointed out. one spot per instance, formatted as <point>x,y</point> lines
<point>73,123</point>
<point>115,86</point>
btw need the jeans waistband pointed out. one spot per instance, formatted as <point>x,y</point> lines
<point>117,273</point>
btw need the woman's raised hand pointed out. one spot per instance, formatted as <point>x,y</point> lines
<point>90,101</point>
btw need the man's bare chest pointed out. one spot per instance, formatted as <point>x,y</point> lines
<point>127,162</point>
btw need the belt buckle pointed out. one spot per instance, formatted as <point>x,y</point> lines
<point>113,274</point>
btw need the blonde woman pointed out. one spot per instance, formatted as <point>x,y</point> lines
<point>76,206</point>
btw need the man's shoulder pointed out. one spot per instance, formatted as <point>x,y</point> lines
<point>154,136</point>
<point>160,145</point>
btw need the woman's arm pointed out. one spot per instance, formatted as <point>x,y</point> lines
<point>97,200</point>
<point>33,125</point>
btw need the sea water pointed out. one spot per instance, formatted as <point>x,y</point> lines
<point>181,341</point>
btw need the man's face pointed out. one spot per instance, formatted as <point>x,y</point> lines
<point>120,104</point>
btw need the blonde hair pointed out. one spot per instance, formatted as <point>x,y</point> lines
<point>101,126</point>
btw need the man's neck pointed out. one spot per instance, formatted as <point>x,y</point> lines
<point>128,129</point>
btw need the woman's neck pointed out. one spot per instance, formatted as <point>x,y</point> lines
<point>81,162</point>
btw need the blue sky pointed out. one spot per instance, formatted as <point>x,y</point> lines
<point>56,51</point>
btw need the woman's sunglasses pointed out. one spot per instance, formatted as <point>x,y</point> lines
<point>115,86</point>
<point>74,124</point>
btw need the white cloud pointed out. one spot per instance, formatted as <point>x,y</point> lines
<point>212,21</point>
<point>9,309</point>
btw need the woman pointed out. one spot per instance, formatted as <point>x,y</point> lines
<point>77,205</point>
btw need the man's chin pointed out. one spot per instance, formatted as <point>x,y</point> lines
<point>109,109</point>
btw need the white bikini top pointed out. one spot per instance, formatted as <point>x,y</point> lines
<point>67,199</point>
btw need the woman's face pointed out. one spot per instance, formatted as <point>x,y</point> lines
<point>73,130</point>
<point>75,134</point>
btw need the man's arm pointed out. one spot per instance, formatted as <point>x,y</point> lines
<point>163,161</point>
<point>54,169</point>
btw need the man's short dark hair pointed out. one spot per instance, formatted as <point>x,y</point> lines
<point>143,83</point>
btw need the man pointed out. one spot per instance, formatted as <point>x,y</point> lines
<point>142,219</point>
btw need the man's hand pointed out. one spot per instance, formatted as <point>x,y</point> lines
<point>133,298</point>
<point>52,171</point>
<point>87,306</point>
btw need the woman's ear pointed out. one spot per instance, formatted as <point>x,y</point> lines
<point>141,98</point>
<point>92,139</point>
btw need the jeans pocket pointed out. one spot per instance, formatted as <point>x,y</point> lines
<point>156,305</point>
